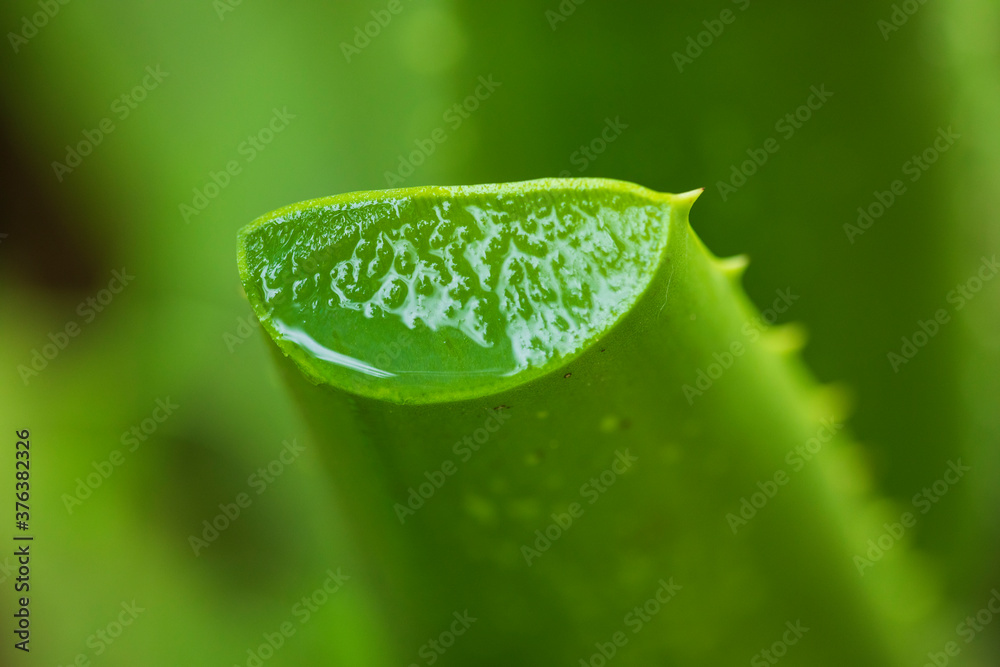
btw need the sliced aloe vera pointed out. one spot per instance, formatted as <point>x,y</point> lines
<point>545,403</point>
<point>487,287</point>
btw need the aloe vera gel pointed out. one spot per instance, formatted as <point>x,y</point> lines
<point>486,285</point>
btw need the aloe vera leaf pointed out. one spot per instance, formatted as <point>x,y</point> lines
<point>621,391</point>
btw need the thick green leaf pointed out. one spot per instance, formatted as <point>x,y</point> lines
<point>669,452</point>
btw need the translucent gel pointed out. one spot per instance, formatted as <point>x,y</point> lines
<point>448,283</point>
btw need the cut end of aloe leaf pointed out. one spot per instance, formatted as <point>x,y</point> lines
<point>431,294</point>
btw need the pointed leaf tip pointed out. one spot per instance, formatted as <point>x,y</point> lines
<point>787,338</point>
<point>689,197</point>
<point>734,266</point>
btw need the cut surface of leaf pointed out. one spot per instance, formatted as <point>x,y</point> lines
<point>428,294</point>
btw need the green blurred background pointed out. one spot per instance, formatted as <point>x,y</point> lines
<point>591,89</point>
